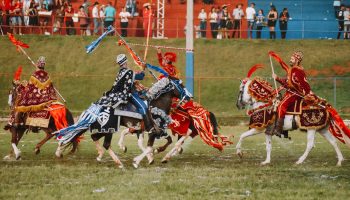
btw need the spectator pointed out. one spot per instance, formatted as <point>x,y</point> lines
<point>124,22</point>
<point>96,18</point>
<point>147,19</point>
<point>68,14</point>
<point>260,23</point>
<point>47,4</point>
<point>340,17</point>
<point>271,22</point>
<point>33,15</point>
<point>16,13</point>
<point>347,23</point>
<point>102,16</point>
<point>58,20</point>
<point>83,20</point>
<point>284,17</point>
<point>25,8</point>
<point>1,18</point>
<point>237,16</point>
<point>336,5</point>
<point>43,20</point>
<point>213,17</point>
<point>131,7</point>
<point>109,15</point>
<point>86,6</point>
<point>225,19</point>
<point>202,16</point>
<point>7,8</point>
<point>250,14</point>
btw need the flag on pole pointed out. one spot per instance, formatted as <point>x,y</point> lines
<point>16,42</point>
<point>91,47</point>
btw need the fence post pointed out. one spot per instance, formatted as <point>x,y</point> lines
<point>335,91</point>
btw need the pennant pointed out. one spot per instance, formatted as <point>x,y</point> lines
<point>91,47</point>
<point>16,42</point>
<point>279,59</point>
<point>253,69</point>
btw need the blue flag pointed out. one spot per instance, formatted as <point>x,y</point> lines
<point>91,47</point>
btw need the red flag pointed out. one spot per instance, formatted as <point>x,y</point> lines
<point>253,69</point>
<point>18,73</point>
<point>279,59</point>
<point>17,42</point>
<point>132,53</point>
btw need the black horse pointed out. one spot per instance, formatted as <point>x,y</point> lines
<point>163,102</point>
<point>17,130</point>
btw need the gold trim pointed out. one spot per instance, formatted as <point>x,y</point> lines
<point>40,122</point>
<point>39,84</point>
<point>33,108</point>
<point>297,120</point>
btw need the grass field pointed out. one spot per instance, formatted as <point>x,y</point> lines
<point>82,78</point>
<point>201,172</point>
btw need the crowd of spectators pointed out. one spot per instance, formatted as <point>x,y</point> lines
<point>224,21</point>
<point>342,14</point>
<point>59,16</point>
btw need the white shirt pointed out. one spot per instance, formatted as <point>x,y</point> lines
<point>237,13</point>
<point>124,16</point>
<point>102,13</point>
<point>95,12</point>
<point>346,17</point>
<point>213,17</point>
<point>250,13</point>
<point>202,16</point>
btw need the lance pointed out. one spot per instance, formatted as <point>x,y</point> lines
<point>133,52</point>
<point>273,72</point>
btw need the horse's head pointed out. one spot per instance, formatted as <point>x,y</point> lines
<point>244,98</point>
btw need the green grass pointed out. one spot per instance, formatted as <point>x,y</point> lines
<point>82,78</point>
<point>201,172</point>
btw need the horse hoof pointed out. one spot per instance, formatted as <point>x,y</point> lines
<point>18,157</point>
<point>164,161</point>
<point>298,162</point>
<point>151,162</point>
<point>156,151</point>
<point>99,159</point>
<point>121,166</point>
<point>58,155</point>
<point>240,154</point>
<point>264,163</point>
<point>8,157</point>
<point>37,151</point>
<point>135,165</point>
<point>125,149</point>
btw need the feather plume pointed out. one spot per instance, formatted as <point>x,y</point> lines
<point>18,73</point>
<point>253,69</point>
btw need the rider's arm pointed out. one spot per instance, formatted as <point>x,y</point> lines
<point>282,81</point>
<point>160,57</point>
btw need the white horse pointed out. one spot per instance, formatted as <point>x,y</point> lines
<point>245,99</point>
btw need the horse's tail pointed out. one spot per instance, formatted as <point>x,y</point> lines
<point>214,123</point>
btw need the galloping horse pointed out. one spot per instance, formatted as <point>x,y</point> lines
<point>161,104</point>
<point>259,94</point>
<point>18,130</point>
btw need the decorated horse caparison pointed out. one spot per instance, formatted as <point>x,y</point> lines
<point>310,116</point>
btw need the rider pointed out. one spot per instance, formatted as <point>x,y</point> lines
<point>166,63</point>
<point>123,90</point>
<point>297,88</point>
<point>35,96</point>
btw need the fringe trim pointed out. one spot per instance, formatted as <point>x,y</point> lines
<point>39,84</point>
<point>33,108</point>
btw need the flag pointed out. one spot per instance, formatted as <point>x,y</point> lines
<point>16,42</point>
<point>91,47</point>
<point>279,59</point>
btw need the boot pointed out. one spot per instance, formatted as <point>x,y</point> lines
<point>279,127</point>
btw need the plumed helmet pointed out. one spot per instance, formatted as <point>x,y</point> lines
<point>170,56</point>
<point>121,59</point>
<point>298,55</point>
<point>41,61</point>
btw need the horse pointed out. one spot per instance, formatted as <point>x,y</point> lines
<point>259,106</point>
<point>162,104</point>
<point>186,121</point>
<point>18,131</point>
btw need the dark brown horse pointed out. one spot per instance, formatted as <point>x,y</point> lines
<point>19,128</point>
<point>163,102</point>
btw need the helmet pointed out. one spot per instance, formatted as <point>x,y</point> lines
<point>298,55</point>
<point>170,56</point>
<point>41,62</point>
<point>121,59</point>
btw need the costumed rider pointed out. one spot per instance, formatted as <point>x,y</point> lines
<point>297,87</point>
<point>166,63</point>
<point>123,90</point>
<point>35,96</point>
